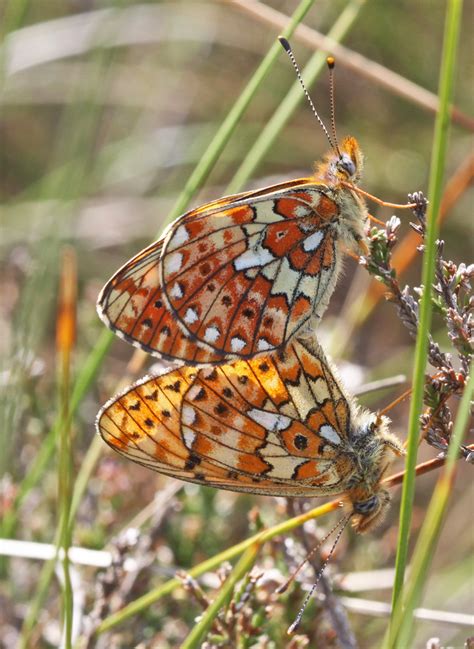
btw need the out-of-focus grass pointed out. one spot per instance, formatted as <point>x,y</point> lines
<point>102,130</point>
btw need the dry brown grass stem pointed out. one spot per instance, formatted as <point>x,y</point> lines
<point>363,66</point>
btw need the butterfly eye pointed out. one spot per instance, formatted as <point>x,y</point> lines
<point>345,163</point>
<point>366,506</point>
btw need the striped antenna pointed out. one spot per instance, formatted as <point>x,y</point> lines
<point>286,46</point>
<point>331,63</point>
<point>339,527</point>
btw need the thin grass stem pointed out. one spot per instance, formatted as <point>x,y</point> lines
<point>204,625</point>
<point>451,37</point>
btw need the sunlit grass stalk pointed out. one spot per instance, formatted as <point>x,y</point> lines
<point>451,37</point>
<point>65,338</point>
<point>227,555</point>
<point>140,604</point>
<point>292,100</point>
<point>429,534</point>
<point>76,139</point>
<point>222,599</point>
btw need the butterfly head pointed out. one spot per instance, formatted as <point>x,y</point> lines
<point>344,165</point>
<point>375,447</point>
<point>370,512</point>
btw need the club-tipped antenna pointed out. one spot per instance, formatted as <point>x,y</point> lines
<point>342,523</point>
<point>287,47</point>
<point>331,62</point>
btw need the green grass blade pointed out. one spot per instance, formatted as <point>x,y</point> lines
<point>65,336</point>
<point>291,101</point>
<point>84,379</point>
<point>93,362</point>
<point>205,623</point>
<point>430,532</point>
<point>211,154</point>
<point>161,591</point>
<point>451,37</point>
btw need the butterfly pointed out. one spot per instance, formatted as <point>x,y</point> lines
<point>277,425</point>
<point>241,276</point>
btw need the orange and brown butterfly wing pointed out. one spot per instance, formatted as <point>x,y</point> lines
<point>242,280</point>
<point>132,305</point>
<point>274,425</point>
<point>258,307</point>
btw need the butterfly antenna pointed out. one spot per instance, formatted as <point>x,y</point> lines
<point>331,61</point>
<point>341,523</point>
<point>311,553</point>
<point>287,47</point>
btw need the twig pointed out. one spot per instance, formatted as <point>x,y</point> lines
<point>363,66</point>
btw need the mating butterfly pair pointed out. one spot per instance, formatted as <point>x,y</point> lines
<point>245,278</point>
<point>242,275</point>
<point>236,287</point>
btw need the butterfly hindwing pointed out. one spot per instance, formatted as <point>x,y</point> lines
<point>243,280</point>
<point>272,425</point>
<point>132,305</point>
<point>231,279</point>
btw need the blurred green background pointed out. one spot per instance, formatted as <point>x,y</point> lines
<point>106,108</point>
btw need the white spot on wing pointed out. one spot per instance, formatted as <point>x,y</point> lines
<point>283,467</point>
<point>302,210</point>
<point>328,432</point>
<point>189,437</point>
<point>211,334</point>
<point>308,286</point>
<point>253,257</point>
<point>265,212</point>
<point>313,241</point>
<point>176,291</point>
<point>179,237</point>
<point>263,345</point>
<point>236,344</point>
<point>193,392</point>
<point>190,316</point>
<point>173,263</point>
<point>270,271</point>
<point>188,415</point>
<point>269,420</point>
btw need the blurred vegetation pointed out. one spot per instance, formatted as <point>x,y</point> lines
<point>106,108</point>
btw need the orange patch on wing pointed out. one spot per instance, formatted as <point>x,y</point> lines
<point>307,470</point>
<point>292,208</point>
<point>280,237</point>
<point>326,208</point>
<point>241,214</point>
<point>328,259</point>
<point>312,365</point>
<point>299,258</point>
<point>329,411</point>
<point>316,419</point>
<point>252,464</point>
<point>293,438</point>
<point>342,414</point>
<point>203,446</point>
<point>314,266</point>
